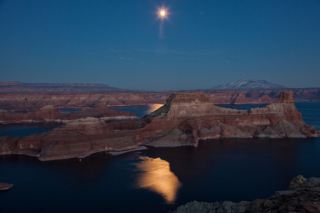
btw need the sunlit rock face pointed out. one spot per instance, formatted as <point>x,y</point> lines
<point>157,177</point>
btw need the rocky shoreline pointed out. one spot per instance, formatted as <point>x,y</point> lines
<point>302,196</point>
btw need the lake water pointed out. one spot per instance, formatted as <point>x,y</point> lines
<point>160,179</point>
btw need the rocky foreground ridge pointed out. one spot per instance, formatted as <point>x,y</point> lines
<point>302,196</point>
<point>185,119</point>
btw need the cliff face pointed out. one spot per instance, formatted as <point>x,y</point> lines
<point>185,119</point>
<point>34,101</point>
<point>196,118</point>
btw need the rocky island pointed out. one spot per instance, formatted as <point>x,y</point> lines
<point>185,119</point>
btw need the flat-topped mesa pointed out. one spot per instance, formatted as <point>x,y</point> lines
<point>191,105</point>
<point>187,98</point>
<point>84,126</point>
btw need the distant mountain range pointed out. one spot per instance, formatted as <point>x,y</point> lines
<point>13,86</point>
<point>248,84</point>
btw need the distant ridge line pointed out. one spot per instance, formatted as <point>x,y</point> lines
<point>248,84</point>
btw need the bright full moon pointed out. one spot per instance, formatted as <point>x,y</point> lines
<point>162,13</point>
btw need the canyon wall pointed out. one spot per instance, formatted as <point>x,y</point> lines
<point>34,101</point>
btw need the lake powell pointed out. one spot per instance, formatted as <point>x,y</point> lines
<point>159,179</point>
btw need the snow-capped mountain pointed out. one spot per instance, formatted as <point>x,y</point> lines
<point>249,84</point>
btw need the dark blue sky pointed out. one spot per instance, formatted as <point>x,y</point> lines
<point>116,42</point>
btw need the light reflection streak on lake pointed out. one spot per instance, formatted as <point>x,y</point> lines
<point>157,177</point>
<point>153,107</point>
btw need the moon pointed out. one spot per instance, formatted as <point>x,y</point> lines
<point>162,13</point>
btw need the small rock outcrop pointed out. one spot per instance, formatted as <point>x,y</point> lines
<point>302,196</point>
<point>5,186</point>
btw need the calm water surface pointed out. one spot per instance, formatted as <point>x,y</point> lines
<point>21,130</point>
<point>160,179</point>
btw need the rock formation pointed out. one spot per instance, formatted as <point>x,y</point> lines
<point>185,119</point>
<point>51,114</point>
<point>27,101</point>
<point>302,196</point>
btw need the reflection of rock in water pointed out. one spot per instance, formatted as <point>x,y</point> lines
<point>156,176</point>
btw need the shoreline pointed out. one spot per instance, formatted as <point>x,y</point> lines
<point>301,196</point>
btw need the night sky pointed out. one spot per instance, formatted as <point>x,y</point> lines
<point>118,42</point>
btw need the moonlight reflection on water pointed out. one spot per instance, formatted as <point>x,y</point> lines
<point>157,177</point>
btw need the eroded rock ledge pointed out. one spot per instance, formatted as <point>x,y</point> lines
<point>185,119</point>
<point>302,196</point>
<point>51,114</point>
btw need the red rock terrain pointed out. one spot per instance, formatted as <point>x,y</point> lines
<point>51,114</point>
<point>185,119</point>
<point>22,101</point>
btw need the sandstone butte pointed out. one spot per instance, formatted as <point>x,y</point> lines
<point>51,114</point>
<point>185,119</point>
